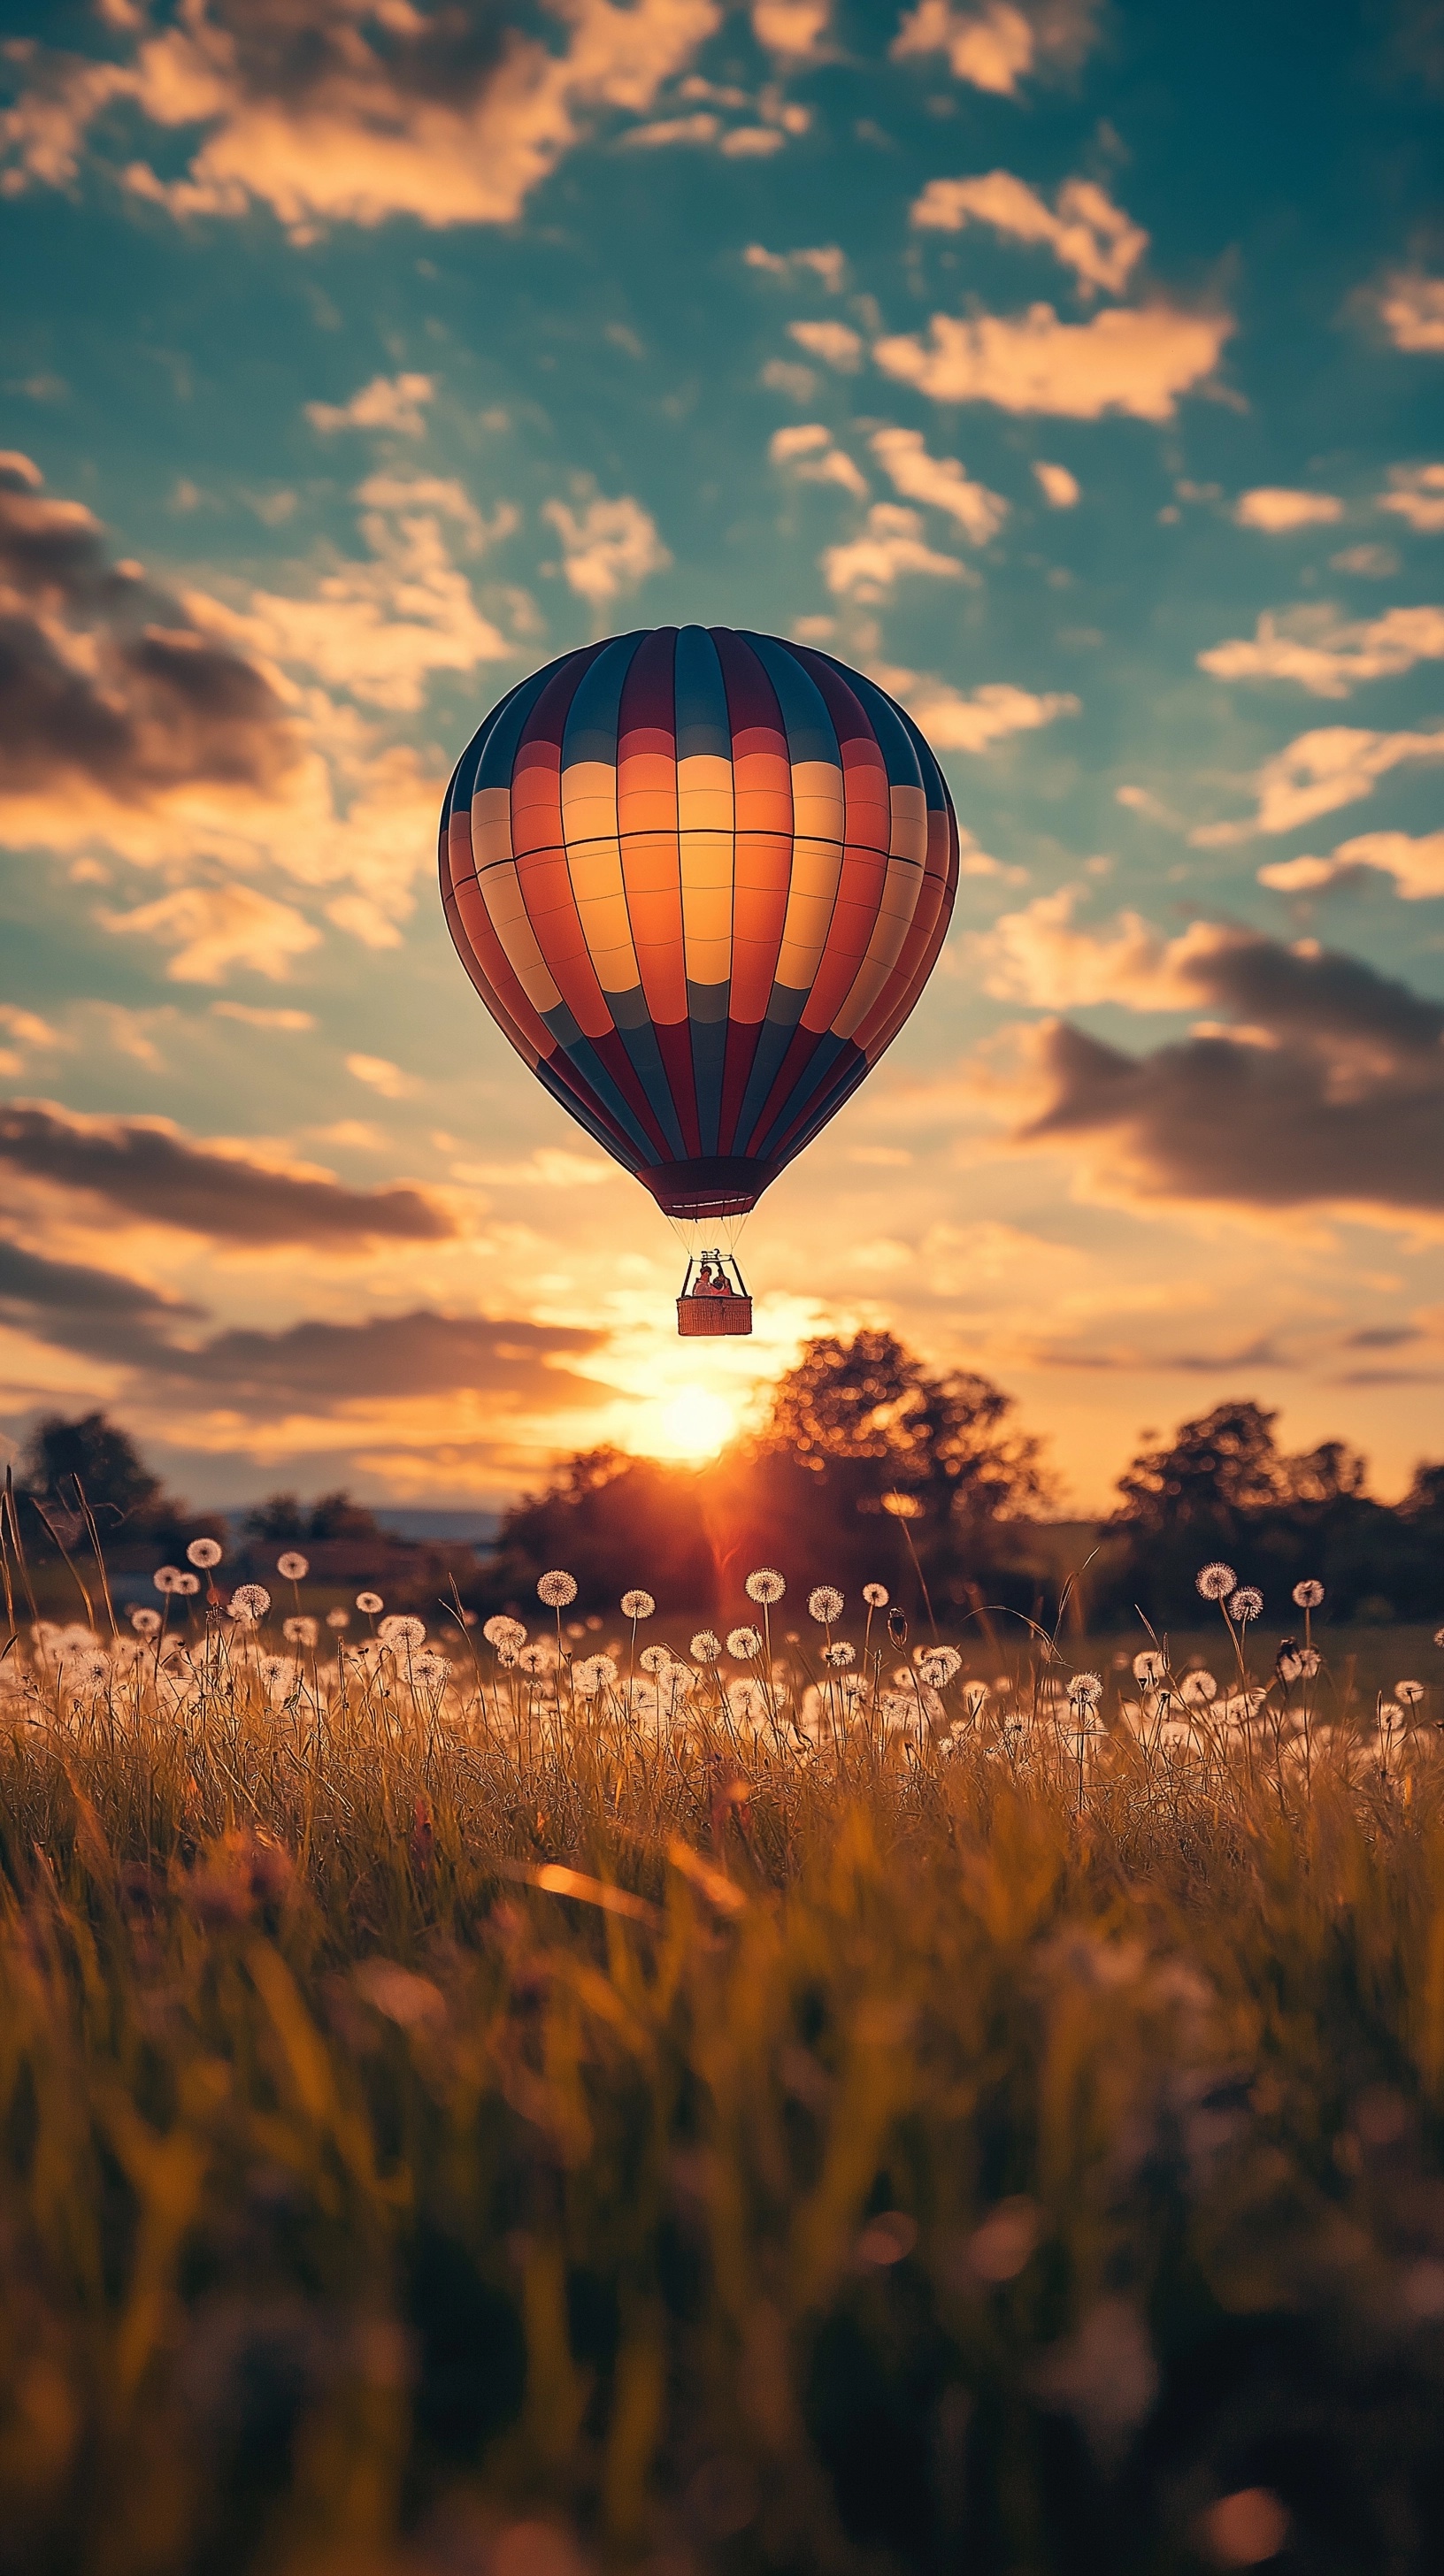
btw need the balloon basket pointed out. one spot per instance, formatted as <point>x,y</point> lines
<point>714,1300</point>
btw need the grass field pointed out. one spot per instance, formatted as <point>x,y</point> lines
<point>746,2113</point>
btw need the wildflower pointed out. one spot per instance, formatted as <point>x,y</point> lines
<point>402,1634</point>
<point>939,1665</point>
<point>276,1668</point>
<point>557,1589</point>
<point>293,1565</point>
<point>743,1643</point>
<point>1149,1667</point>
<point>1216,1581</point>
<point>538,1659</point>
<point>824,1604</point>
<point>593,1674</point>
<point>654,1659</point>
<point>204,1551</point>
<point>248,1603</point>
<point>338,1618</point>
<point>875,1595</point>
<point>1246,1604</point>
<point>187,1585</point>
<point>506,1656</point>
<point>370,1602</point>
<point>838,1655</point>
<point>637,1605</point>
<point>705,1647</point>
<point>145,1622</point>
<point>1409,1692</point>
<point>1085,1690</point>
<point>91,1671</point>
<point>166,1577</point>
<point>1308,1595</point>
<point>747,1701</point>
<point>300,1632</point>
<point>431,1669</point>
<point>501,1631</point>
<point>766,1586</point>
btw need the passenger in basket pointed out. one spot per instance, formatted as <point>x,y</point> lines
<point>724,1285</point>
<point>706,1285</point>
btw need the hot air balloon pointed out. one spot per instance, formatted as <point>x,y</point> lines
<point>699,877</point>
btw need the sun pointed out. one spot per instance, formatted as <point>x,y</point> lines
<point>693,1423</point>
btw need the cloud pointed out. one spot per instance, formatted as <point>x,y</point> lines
<point>833,342</point>
<point>1411,308</point>
<point>1374,563</point>
<point>608,547</point>
<point>382,1075</point>
<point>792,28</point>
<point>809,452</point>
<point>780,376</point>
<point>1279,511</point>
<point>751,142</point>
<point>1318,772</point>
<point>892,544</point>
<point>995,47</point>
<point>388,402</point>
<point>80,1308</point>
<point>149,1168</point>
<point>953,722</point>
<point>214,928</point>
<point>1135,362</point>
<point>941,481</point>
<point>253,1016</point>
<point>323,1366</point>
<point>1083,229</point>
<point>330,115</point>
<point>1416,865</point>
<point>702,127</point>
<point>1417,495</point>
<point>1322,1083</point>
<point>28,1034</point>
<point>1060,489</point>
<point>828,263</point>
<point>1327,655</point>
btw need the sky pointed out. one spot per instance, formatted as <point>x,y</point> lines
<point>1077,371</point>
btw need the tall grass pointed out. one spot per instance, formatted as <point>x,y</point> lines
<point>466,2105</point>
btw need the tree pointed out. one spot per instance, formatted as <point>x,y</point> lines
<point>283,1516</point>
<point>92,1456</point>
<point>612,1521</point>
<point>870,1403</point>
<point>1223,1464</point>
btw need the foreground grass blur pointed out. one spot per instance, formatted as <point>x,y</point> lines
<point>529,2105</point>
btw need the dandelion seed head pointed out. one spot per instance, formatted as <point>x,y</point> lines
<point>1216,1581</point>
<point>839,1655</point>
<point>939,1665</point>
<point>248,1603</point>
<point>824,1604</point>
<point>401,1634</point>
<point>338,1618</point>
<point>1149,1667</point>
<point>876,1595</point>
<point>166,1577</point>
<point>293,1566</point>
<point>538,1659</point>
<point>187,1585</point>
<point>1086,1689</point>
<point>275,1668</point>
<point>431,1669</point>
<point>1308,1594</point>
<point>654,1659</point>
<point>1246,1604</point>
<point>557,1589</point>
<point>747,1701</point>
<point>705,1647</point>
<point>501,1631</point>
<point>204,1551</point>
<point>1409,1692</point>
<point>743,1644</point>
<point>765,1585</point>
<point>300,1631</point>
<point>1198,1689</point>
<point>145,1622</point>
<point>593,1674</point>
<point>370,1603</point>
<point>637,1605</point>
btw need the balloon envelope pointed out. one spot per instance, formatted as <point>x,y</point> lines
<point>699,877</point>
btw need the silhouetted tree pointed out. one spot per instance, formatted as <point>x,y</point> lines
<point>331,1516</point>
<point>613,1521</point>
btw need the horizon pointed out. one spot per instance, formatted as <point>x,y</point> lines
<point>1080,391</point>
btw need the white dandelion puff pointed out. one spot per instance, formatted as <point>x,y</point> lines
<point>370,1603</point>
<point>1149,1667</point>
<point>655,1659</point>
<point>187,1585</point>
<point>839,1655</point>
<point>145,1622</point>
<point>1409,1692</point>
<point>743,1644</point>
<point>1216,1581</point>
<point>939,1665</point>
<point>1309,1594</point>
<point>766,1586</point>
<point>876,1595</point>
<point>637,1605</point>
<point>300,1631</point>
<point>593,1674</point>
<point>248,1604</point>
<point>338,1618</point>
<point>557,1589</point>
<point>293,1566</point>
<point>204,1551</point>
<point>824,1604</point>
<point>705,1647</point>
<point>1197,1690</point>
<point>166,1577</point>
<point>1246,1604</point>
<point>1085,1690</point>
<point>501,1631</point>
<point>403,1635</point>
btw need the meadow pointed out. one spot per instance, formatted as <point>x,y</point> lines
<point>538,2096</point>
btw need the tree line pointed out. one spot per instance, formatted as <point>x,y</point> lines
<point>867,1466</point>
